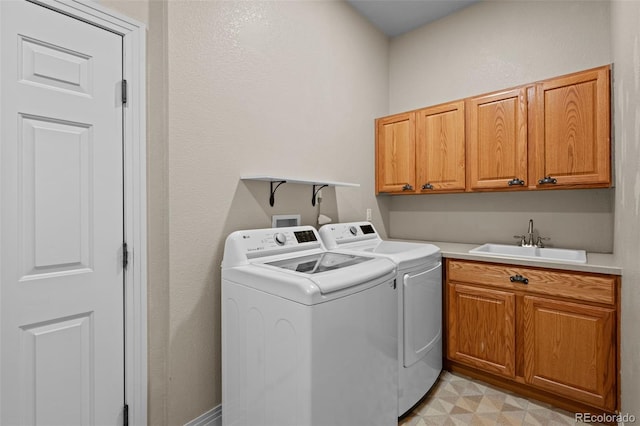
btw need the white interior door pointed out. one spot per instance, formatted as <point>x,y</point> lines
<point>61,220</point>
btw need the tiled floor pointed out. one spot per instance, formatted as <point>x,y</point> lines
<point>459,400</point>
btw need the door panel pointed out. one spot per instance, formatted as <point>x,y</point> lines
<point>58,352</point>
<point>572,117</point>
<point>440,150</point>
<point>422,316</point>
<point>557,331</point>
<point>482,328</point>
<point>396,153</point>
<point>55,171</point>
<point>497,140</point>
<point>61,220</point>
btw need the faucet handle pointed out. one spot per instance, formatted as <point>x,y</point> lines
<point>522,238</point>
<point>539,242</point>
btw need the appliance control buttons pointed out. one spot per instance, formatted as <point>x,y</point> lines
<point>353,230</point>
<point>280,238</point>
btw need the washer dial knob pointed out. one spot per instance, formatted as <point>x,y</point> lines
<point>353,230</point>
<point>280,238</point>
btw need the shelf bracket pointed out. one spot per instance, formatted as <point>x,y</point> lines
<point>272,197</point>
<point>315,191</point>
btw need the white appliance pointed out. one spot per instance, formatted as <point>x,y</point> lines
<point>419,303</point>
<point>309,337</point>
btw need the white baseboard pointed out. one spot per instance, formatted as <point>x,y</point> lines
<point>212,417</point>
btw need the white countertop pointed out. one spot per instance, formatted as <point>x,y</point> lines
<point>600,263</point>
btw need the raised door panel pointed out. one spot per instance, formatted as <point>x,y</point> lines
<point>497,140</point>
<point>482,328</point>
<point>570,350</point>
<point>395,153</point>
<point>572,130</point>
<point>440,148</point>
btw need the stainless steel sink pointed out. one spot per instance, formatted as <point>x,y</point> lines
<point>553,254</point>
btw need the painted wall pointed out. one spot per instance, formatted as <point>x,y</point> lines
<point>489,46</point>
<point>276,88</point>
<point>625,42</point>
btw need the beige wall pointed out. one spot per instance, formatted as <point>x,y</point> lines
<point>489,46</point>
<point>625,41</point>
<point>277,88</point>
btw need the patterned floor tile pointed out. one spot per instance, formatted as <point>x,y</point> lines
<point>458,400</point>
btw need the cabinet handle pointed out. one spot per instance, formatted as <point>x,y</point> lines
<point>515,181</point>
<point>427,186</point>
<point>519,279</point>
<point>407,187</point>
<point>547,179</point>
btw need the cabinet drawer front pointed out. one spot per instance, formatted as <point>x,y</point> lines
<point>573,285</point>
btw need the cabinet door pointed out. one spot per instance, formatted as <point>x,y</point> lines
<point>497,140</point>
<point>572,130</point>
<point>570,349</point>
<point>440,150</point>
<point>482,328</point>
<point>396,153</point>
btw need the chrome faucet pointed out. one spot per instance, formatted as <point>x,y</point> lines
<point>530,232</point>
<point>529,242</point>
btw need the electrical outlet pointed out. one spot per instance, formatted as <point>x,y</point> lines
<point>369,214</point>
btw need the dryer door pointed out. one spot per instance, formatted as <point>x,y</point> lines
<point>422,300</point>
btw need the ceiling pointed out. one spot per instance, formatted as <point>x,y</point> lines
<point>395,17</point>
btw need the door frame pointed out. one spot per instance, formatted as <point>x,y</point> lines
<point>135,192</point>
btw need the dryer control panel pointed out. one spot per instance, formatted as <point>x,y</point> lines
<point>335,234</point>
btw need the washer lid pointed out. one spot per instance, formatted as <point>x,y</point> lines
<point>319,262</point>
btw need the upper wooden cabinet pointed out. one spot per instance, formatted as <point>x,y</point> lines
<point>396,153</point>
<point>497,140</point>
<point>421,151</point>
<point>550,134</point>
<point>571,134</point>
<point>440,148</point>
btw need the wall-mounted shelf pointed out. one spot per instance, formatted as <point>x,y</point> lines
<point>317,185</point>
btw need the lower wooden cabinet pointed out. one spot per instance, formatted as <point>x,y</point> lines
<point>482,328</point>
<point>509,322</point>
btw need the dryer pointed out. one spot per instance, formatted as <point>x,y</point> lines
<point>419,277</point>
<point>308,336</point>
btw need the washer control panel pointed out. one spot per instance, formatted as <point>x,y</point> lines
<point>255,241</point>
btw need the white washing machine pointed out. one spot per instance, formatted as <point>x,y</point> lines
<point>309,337</point>
<point>419,303</point>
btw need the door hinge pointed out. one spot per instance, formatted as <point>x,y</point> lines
<point>125,415</point>
<point>124,92</point>
<point>125,257</point>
